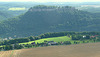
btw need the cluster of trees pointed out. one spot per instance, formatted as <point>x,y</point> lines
<point>80,37</point>
<point>11,47</point>
<point>17,46</point>
<point>14,41</point>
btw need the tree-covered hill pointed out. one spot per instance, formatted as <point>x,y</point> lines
<point>41,19</point>
<point>4,15</point>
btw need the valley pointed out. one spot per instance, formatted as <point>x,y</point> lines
<point>49,29</point>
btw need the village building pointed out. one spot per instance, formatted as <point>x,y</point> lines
<point>52,43</point>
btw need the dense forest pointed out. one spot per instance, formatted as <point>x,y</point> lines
<point>42,19</point>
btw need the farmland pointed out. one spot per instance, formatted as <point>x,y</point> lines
<point>17,9</point>
<point>56,39</point>
<point>79,50</point>
<point>11,53</point>
<point>49,39</point>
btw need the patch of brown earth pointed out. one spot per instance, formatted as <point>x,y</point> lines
<point>80,50</point>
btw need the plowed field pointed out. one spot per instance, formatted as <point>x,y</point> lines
<point>79,50</point>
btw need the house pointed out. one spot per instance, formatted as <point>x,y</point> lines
<point>93,36</point>
<point>52,43</point>
<point>84,36</point>
<point>33,43</point>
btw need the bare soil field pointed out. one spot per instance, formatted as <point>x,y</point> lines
<point>5,53</point>
<point>11,53</point>
<point>79,50</point>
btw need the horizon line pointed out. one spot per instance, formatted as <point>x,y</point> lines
<point>46,2</point>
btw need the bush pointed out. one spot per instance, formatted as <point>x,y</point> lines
<point>67,42</point>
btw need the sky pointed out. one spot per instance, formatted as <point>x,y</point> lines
<point>50,0</point>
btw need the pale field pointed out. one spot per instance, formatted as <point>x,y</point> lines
<point>11,53</point>
<point>96,6</point>
<point>17,9</point>
<point>79,50</point>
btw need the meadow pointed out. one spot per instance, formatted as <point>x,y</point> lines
<point>17,9</point>
<point>57,39</point>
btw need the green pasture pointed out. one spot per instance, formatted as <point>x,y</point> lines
<point>1,46</point>
<point>17,9</point>
<point>56,39</point>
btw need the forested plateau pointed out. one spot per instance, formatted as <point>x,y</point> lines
<point>42,19</point>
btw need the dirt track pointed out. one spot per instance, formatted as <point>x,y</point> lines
<point>80,50</point>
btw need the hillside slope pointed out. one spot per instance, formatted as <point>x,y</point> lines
<point>4,15</point>
<point>41,19</point>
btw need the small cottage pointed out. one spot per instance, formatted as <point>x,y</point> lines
<point>52,43</point>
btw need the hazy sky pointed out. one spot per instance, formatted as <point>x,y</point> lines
<point>50,0</point>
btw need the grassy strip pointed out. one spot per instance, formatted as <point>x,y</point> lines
<point>17,9</point>
<point>57,39</point>
<point>1,46</point>
<point>12,53</point>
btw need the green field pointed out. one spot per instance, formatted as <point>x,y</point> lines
<point>56,39</point>
<point>17,9</point>
<point>0,46</point>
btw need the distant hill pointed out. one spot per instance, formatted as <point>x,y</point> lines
<point>4,15</point>
<point>90,8</point>
<point>41,19</point>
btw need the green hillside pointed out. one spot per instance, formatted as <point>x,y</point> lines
<point>42,19</point>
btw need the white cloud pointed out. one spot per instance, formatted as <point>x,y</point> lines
<point>51,0</point>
